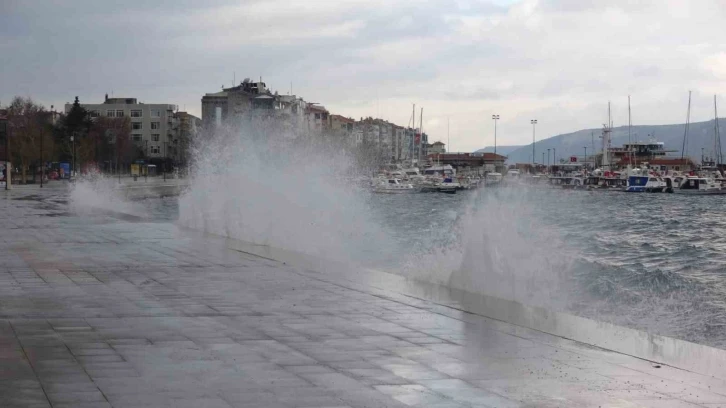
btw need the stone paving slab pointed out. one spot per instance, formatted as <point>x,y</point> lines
<point>97,311</point>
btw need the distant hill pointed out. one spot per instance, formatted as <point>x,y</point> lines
<point>700,135</point>
<point>503,150</point>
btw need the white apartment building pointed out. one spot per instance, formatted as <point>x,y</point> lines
<point>153,126</point>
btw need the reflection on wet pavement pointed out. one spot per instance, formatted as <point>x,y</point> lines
<point>98,311</point>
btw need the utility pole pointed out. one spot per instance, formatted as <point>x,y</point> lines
<point>585,154</point>
<point>554,156</point>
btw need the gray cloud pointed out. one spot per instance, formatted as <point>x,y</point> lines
<point>557,60</point>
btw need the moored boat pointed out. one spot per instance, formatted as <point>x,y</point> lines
<point>392,186</point>
<point>695,185</point>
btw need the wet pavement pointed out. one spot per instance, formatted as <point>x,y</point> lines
<point>108,310</point>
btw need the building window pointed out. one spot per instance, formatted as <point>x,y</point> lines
<point>110,113</point>
<point>94,113</point>
<point>136,126</point>
<point>155,114</point>
<point>317,116</point>
<point>155,125</point>
<point>119,114</point>
<point>136,114</point>
<point>155,137</point>
<point>155,149</point>
<point>136,137</point>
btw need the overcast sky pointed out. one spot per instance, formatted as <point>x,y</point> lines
<point>559,62</point>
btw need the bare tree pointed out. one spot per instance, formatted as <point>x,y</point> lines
<point>29,123</point>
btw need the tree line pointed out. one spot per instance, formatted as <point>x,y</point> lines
<point>37,138</point>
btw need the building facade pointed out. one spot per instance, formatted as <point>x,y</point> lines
<point>153,126</point>
<point>189,126</point>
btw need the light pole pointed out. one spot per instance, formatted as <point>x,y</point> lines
<point>548,158</point>
<point>554,156</point>
<point>534,123</point>
<point>163,167</point>
<point>496,118</point>
<point>5,132</point>
<point>73,156</point>
<point>543,158</point>
<point>585,154</point>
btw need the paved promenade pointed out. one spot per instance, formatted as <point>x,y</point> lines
<point>115,311</point>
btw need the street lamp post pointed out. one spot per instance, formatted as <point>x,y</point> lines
<point>163,167</point>
<point>73,156</point>
<point>548,158</point>
<point>496,118</point>
<point>585,153</point>
<point>543,158</point>
<point>5,131</point>
<point>554,156</point>
<point>146,161</point>
<point>534,123</point>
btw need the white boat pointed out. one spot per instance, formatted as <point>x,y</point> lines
<point>493,179</point>
<point>448,185</point>
<point>445,170</point>
<point>645,184</point>
<point>392,186</point>
<point>695,185</point>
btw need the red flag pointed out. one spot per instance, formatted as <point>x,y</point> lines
<point>417,138</point>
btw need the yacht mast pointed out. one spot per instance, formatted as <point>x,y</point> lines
<point>420,140</point>
<point>630,138</point>
<point>606,141</point>
<point>685,134</point>
<point>413,136</point>
<point>719,152</point>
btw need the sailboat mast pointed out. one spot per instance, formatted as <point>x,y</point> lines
<point>420,140</point>
<point>448,135</point>
<point>413,136</point>
<point>719,153</point>
<point>630,137</point>
<point>684,147</point>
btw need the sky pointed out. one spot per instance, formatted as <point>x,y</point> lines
<point>559,62</point>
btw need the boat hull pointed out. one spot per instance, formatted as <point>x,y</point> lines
<point>699,192</point>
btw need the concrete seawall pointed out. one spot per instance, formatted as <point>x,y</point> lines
<point>660,349</point>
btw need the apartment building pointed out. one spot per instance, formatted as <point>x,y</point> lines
<point>153,126</point>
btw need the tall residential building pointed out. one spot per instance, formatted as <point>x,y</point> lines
<point>317,118</point>
<point>231,103</point>
<point>189,125</point>
<point>153,126</point>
